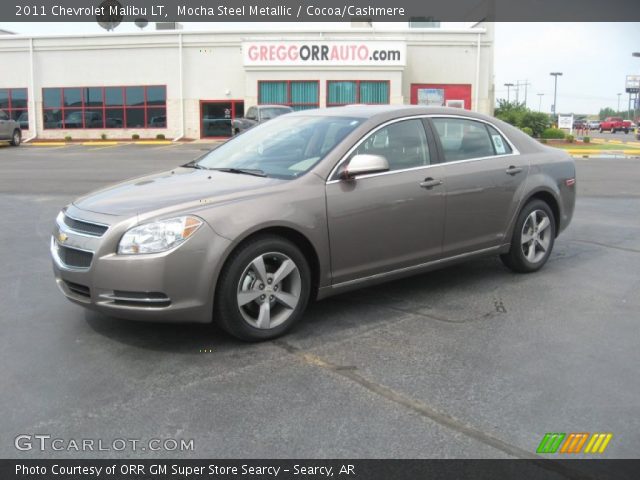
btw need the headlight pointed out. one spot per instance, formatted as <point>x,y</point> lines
<point>158,236</point>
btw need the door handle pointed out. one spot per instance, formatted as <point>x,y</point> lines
<point>430,183</point>
<point>513,170</point>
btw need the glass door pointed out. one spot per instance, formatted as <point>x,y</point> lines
<point>216,117</point>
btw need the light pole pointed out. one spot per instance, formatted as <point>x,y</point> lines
<point>508,85</point>
<point>540,95</point>
<point>555,76</point>
<point>618,111</point>
<point>635,54</point>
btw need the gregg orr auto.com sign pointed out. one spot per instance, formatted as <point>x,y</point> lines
<point>324,53</point>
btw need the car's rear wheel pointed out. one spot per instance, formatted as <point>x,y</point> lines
<point>263,289</point>
<point>16,138</point>
<point>533,238</point>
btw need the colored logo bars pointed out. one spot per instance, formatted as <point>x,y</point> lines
<point>573,443</point>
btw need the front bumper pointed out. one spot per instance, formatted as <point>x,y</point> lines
<point>173,286</point>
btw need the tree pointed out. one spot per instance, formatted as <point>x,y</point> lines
<point>518,115</point>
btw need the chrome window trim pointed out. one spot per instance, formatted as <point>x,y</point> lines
<point>514,150</point>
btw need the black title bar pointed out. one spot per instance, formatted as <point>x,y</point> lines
<point>534,469</point>
<point>320,10</point>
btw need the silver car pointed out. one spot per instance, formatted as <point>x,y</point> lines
<point>9,129</point>
<point>309,205</point>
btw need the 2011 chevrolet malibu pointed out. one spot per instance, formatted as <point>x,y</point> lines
<point>308,205</point>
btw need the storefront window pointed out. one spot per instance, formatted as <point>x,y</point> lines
<point>13,101</point>
<point>105,107</point>
<point>341,92</point>
<point>299,95</point>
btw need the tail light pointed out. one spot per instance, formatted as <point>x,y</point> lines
<point>570,182</point>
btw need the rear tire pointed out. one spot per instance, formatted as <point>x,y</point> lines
<point>533,238</point>
<point>16,138</point>
<point>263,289</point>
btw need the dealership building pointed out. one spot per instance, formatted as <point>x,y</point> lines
<point>185,84</point>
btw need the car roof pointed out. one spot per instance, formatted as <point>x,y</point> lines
<point>382,112</point>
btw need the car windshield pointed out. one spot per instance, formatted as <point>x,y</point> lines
<point>286,147</point>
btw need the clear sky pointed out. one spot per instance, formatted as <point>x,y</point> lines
<point>593,57</point>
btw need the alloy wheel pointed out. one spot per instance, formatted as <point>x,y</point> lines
<point>536,236</point>
<point>269,290</point>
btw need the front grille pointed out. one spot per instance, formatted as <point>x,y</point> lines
<point>74,258</point>
<point>85,227</point>
<point>78,289</point>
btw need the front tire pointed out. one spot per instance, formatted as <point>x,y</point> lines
<point>16,138</point>
<point>533,238</point>
<point>263,289</point>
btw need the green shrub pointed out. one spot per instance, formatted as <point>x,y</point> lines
<point>586,139</point>
<point>160,136</point>
<point>135,136</point>
<point>555,133</point>
<point>103,136</point>
<point>528,131</point>
<point>68,138</point>
<point>570,138</point>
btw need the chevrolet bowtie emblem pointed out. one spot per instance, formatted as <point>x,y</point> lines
<point>62,237</point>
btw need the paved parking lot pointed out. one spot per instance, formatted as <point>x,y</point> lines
<point>471,361</point>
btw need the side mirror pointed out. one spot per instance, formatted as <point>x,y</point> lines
<point>365,163</point>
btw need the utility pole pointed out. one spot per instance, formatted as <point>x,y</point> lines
<point>540,95</point>
<point>555,76</point>
<point>524,84</point>
<point>508,85</point>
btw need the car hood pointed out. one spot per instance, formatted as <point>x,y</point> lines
<point>171,189</point>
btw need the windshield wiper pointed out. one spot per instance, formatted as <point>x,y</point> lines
<point>246,171</point>
<point>195,165</point>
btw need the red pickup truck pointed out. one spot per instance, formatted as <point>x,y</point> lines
<point>615,124</point>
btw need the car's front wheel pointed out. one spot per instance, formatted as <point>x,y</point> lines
<point>263,289</point>
<point>16,138</point>
<point>533,238</point>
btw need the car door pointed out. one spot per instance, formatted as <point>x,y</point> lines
<point>484,179</point>
<point>385,221</point>
<point>5,125</point>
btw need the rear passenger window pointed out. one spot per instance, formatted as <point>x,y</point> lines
<point>403,144</point>
<point>499,143</point>
<point>462,139</point>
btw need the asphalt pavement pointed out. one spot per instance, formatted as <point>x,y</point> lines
<point>472,361</point>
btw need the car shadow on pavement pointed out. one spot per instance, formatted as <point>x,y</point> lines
<point>329,319</point>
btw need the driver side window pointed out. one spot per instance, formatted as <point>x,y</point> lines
<point>403,144</point>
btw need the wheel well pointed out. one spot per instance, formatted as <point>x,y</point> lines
<point>550,200</point>
<point>300,241</point>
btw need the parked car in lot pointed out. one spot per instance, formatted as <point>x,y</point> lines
<point>594,124</point>
<point>258,114</point>
<point>615,124</point>
<point>579,124</point>
<point>309,205</point>
<point>10,129</point>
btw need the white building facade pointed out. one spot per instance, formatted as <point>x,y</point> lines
<point>191,85</point>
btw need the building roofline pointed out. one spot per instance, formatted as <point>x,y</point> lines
<point>416,31</point>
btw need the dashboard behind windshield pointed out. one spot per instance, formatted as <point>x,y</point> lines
<point>285,147</point>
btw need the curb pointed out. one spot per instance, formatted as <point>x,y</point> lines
<point>97,143</point>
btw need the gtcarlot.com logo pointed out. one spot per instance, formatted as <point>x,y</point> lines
<point>46,442</point>
<point>574,442</point>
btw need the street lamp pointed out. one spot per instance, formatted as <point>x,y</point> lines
<point>555,76</point>
<point>540,95</point>
<point>508,85</point>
